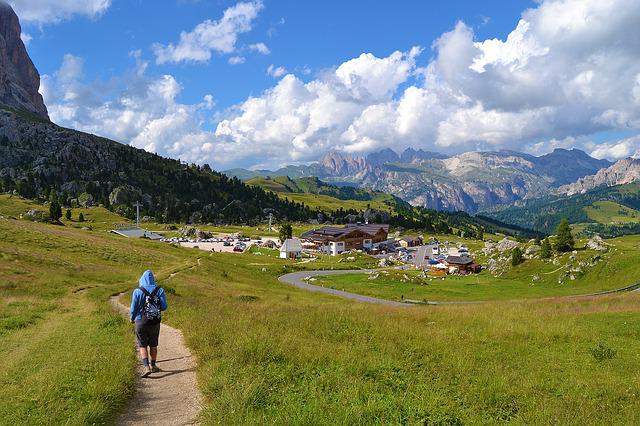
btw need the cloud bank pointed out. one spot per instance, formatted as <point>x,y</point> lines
<point>53,11</point>
<point>568,69</point>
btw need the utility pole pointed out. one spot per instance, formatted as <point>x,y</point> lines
<point>137,205</point>
<point>270,219</point>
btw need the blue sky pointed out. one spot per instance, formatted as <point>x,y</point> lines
<point>267,83</point>
<point>299,34</point>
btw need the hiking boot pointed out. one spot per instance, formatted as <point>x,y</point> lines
<point>155,369</point>
<point>146,371</point>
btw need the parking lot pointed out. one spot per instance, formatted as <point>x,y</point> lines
<point>218,244</point>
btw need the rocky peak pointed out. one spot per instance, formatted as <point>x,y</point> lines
<point>381,157</point>
<point>339,164</point>
<point>19,78</point>
<point>621,172</point>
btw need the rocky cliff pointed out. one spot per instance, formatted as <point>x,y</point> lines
<point>621,172</point>
<point>470,181</point>
<point>19,78</point>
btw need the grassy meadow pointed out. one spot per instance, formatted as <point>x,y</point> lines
<point>534,278</point>
<point>273,354</point>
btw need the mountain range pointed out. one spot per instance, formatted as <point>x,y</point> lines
<point>472,181</point>
<point>43,161</point>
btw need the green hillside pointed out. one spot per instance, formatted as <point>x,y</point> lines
<point>316,194</point>
<point>268,353</point>
<point>608,211</point>
<point>320,195</point>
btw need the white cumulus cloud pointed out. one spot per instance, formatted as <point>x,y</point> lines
<point>220,36</point>
<point>52,11</point>
<point>276,72</point>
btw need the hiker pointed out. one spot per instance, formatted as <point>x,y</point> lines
<point>147,303</point>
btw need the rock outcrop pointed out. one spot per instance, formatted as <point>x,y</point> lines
<point>621,172</point>
<point>19,78</point>
<point>471,181</point>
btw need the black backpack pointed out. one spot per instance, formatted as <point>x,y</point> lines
<point>150,311</point>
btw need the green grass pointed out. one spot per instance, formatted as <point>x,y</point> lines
<point>273,354</point>
<point>65,356</point>
<point>321,196</point>
<point>616,268</point>
<point>609,212</point>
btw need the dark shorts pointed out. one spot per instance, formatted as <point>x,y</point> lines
<point>147,334</point>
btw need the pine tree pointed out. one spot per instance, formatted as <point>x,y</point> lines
<point>55,211</point>
<point>516,256</point>
<point>545,250</point>
<point>67,214</point>
<point>564,239</point>
<point>286,232</point>
<point>81,217</point>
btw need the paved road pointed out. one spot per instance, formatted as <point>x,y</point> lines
<point>297,279</point>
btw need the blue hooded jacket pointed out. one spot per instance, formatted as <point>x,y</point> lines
<point>137,299</point>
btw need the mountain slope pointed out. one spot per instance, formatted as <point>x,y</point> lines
<point>623,171</point>
<point>609,211</point>
<point>470,181</point>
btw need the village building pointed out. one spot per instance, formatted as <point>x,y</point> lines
<point>410,241</point>
<point>291,249</point>
<point>461,264</point>
<point>334,240</point>
<point>137,233</point>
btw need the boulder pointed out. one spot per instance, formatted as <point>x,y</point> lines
<point>597,243</point>
<point>506,244</point>
<point>34,215</point>
<point>125,194</point>
<point>383,263</point>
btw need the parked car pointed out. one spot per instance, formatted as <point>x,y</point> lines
<point>227,243</point>
<point>238,248</point>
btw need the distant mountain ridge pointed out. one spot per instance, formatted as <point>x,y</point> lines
<point>471,181</point>
<point>621,172</point>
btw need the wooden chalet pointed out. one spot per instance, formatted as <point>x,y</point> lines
<point>462,264</point>
<point>335,240</point>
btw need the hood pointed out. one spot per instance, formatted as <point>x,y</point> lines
<point>147,280</point>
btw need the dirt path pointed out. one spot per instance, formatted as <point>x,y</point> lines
<point>170,397</point>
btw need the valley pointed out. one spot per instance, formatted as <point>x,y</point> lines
<point>409,260</point>
<point>244,359</point>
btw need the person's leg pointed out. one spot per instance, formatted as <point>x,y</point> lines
<point>144,355</point>
<point>154,334</point>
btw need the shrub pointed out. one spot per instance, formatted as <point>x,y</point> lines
<point>81,217</point>
<point>67,214</point>
<point>601,351</point>
<point>516,256</point>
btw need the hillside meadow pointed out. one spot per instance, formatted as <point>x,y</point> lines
<point>273,354</point>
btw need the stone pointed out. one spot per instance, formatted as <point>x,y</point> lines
<point>34,215</point>
<point>506,244</point>
<point>597,243</point>
<point>383,263</point>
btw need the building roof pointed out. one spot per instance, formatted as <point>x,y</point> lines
<point>291,245</point>
<point>334,232</point>
<point>459,260</point>
<point>410,238</point>
<point>137,233</point>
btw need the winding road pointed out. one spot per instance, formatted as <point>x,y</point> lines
<point>298,279</point>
